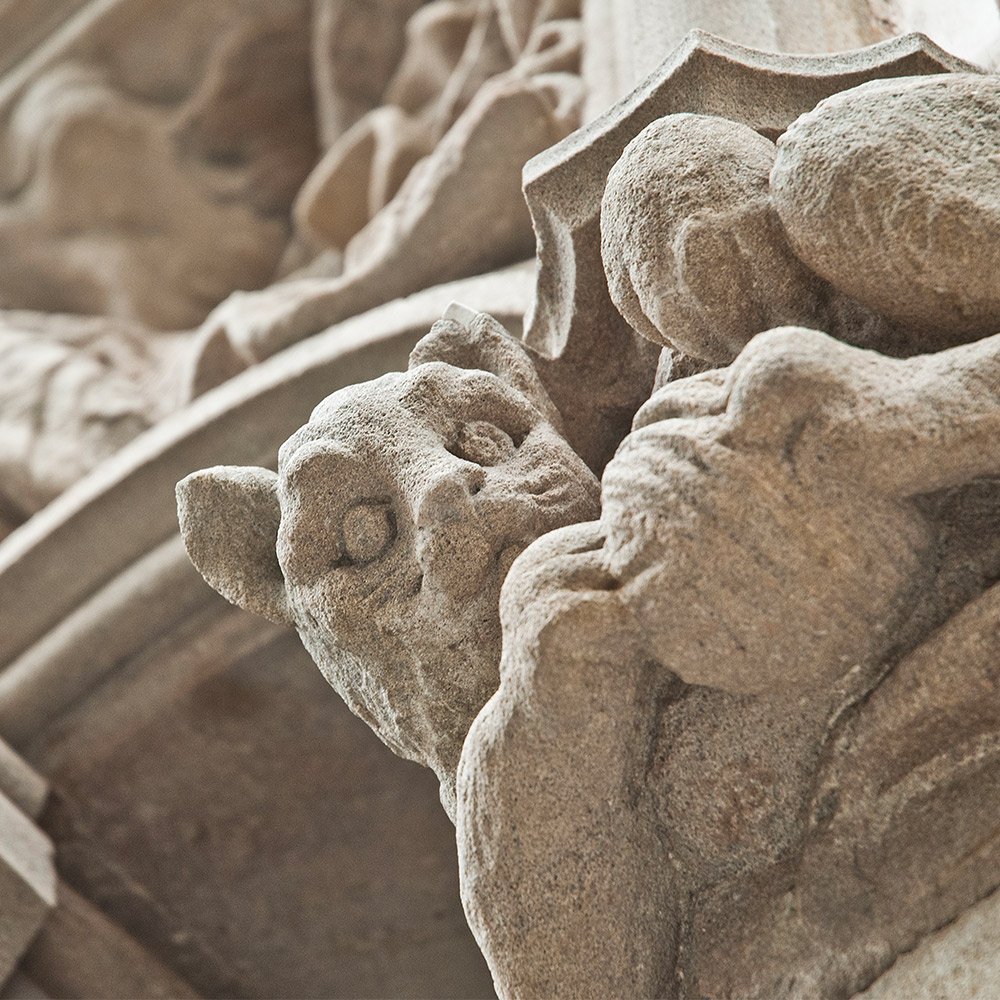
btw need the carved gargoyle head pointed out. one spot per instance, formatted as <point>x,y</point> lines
<point>389,527</point>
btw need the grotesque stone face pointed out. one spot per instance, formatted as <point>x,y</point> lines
<point>403,503</point>
<point>394,517</point>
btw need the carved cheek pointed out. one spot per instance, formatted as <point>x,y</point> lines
<point>307,549</point>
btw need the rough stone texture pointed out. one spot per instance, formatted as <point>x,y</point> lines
<point>875,200</point>
<point>92,123</point>
<point>700,217</point>
<point>648,697</point>
<point>573,319</point>
<point>693,250</point>
<point>744,738</point>
<point>804,410</point>
<point>399,507</point>
<point>564,185</point>
<point>244,422</point>
<point>102,662</point>
<point>960,960</point>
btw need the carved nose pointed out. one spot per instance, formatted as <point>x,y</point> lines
<point>446,500</point>
<point>452,550</point>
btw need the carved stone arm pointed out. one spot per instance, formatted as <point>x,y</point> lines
<point>565,880</point>
<point>897,427</point>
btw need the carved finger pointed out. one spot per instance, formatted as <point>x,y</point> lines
<point>702,395</point>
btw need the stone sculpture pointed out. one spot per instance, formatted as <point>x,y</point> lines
<point>472,100</point>
<point>618,715</point>
<point>691,591</point>
<point>877,203</point>
<point>677,671</point>
<point>573,324</point>
<point>678,787</point>
<point>396,513</point>
<point>696,188</point>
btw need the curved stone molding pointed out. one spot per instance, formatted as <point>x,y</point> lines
<point>27,881</point>
<point>243,421</point>
<point>130,645</point>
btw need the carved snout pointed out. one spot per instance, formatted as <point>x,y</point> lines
<point>452,549</point>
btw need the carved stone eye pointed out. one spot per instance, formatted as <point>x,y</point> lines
<point>369,529</point>
<point>482,443</point>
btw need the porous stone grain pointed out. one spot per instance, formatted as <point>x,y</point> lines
<point>889,191</point>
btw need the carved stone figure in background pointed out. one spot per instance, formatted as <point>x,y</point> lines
<point>147,186</point>
<point>473,98</point>
<point>396,513</point>
<point>146,190</point>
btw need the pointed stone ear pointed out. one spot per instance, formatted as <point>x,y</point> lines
<point>476,341</point>
<point>229,519</point>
